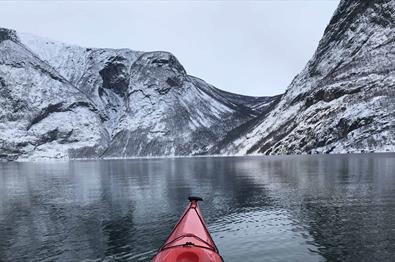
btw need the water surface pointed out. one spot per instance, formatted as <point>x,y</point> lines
<point>289,208</point>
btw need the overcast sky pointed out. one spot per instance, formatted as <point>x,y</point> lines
<point>252,48</point>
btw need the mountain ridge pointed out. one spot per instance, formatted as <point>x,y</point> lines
<point>143,103</point>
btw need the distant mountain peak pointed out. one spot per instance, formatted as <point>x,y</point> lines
<point>166,68</point>
<point>353,25</point>
<point>162,59</point>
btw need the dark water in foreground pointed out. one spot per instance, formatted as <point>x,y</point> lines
<point>293,208</point>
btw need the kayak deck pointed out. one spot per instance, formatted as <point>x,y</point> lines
<point>190,240</point>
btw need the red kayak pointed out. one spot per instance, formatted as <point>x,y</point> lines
<point>190,240</point>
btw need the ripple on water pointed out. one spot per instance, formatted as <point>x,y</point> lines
<point>297,208</point>
<point>248,235</point>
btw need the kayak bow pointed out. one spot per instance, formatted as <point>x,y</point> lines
<point>190,240</point>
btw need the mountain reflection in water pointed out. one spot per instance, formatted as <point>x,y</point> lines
<point>280,208</point>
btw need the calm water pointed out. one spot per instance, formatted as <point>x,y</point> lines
<point>293,208</point>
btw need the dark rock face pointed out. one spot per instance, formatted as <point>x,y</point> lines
<point>51,108</point>
<point>345,126</point>
<point>115,76</point>
<point>2,83</point>
<point>174,81</point>
<point>54,135</point>
<point>7,34</point>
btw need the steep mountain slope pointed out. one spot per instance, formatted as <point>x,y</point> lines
<point>66,101</point>
<point>34,109</point>
<point>344,99</point>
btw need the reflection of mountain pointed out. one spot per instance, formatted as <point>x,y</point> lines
<point>111,205</point>
<point>345,204</point>
<point>304,206</point>
<point>92,209</point>
<point>358,219</point>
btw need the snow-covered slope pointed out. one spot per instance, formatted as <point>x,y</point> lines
<point>344,99</point>
<point>63,101</point>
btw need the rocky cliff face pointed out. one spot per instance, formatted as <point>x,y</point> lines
<point>62,101</point>
<point>344,99</point>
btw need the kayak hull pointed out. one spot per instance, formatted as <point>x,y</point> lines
<point>190,240</point>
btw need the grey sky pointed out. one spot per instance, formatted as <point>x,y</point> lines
<point>252,48</point>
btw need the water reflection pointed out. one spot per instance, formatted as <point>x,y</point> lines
<point>293,208</point>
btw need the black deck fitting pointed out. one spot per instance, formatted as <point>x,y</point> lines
<point>194,198</point>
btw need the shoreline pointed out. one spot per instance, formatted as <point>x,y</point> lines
<point>38,160</point>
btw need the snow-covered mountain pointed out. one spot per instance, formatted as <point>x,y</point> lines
<point>343,100</point>
<point>63,101</point>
